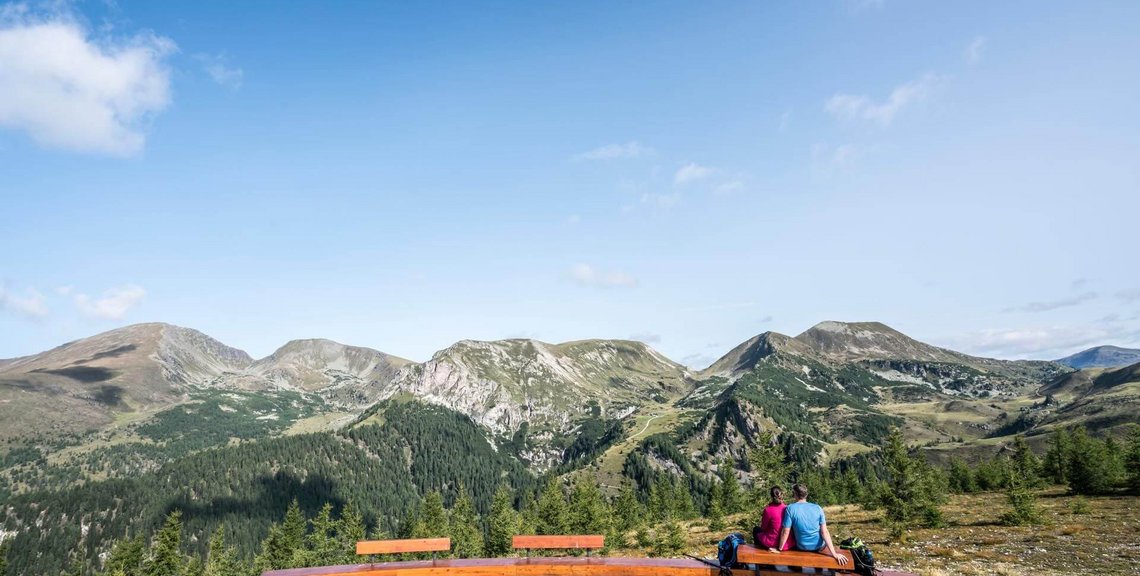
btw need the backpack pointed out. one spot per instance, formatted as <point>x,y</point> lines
<point>864,559</point>
<point>726,550</point>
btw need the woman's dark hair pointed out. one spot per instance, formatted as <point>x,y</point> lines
<point>799,491</point>
<point>777,495</point>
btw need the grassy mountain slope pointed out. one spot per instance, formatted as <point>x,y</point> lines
<point>1102,357</point>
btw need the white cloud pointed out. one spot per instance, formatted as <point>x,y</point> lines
<point>1129,295</point>
<point>859,107</point>
<point>630,149</point>
<point>219,70</point>
<point>29,304</point>
<point>647,337</point>
<point>730,187</point>
<point>973,52</point>
<point>1043,342</point>
<point>1054,304</point>
<point>114,303</point>
<point>586,275</point>
<point>71,91</point>
<point>691,172</point>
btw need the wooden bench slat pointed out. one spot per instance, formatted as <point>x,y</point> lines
<point>577,541</point>
<point>796,558</point>
<point>403,546</point>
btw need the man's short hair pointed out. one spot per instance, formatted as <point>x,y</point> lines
<point>799,491</point>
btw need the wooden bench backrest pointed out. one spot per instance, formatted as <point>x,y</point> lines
<point>795,558</point>
<point>577,541</point>
<point>403,546</point>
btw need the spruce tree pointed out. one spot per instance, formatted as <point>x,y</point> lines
<point>1023,504</point>
<point>962,477</point>
<point>769,464</point>
<point>466,533</point>
<point>683,506</point>
<point>627,514</point>
<point>322,547</point>
<point>1091,469</point>
<point>433,517</point>
<point>503,524</point>
<point>1133,460</point>
<point>166,557</point>
<point>588,511</point>
<point>908,493</point>
<point>1026,465</point>
<point>670,541</point>
<point>221,560</point>
<point>716,511</point>
<point>1056,464</point>
<point>351,530</point>
<point>732,499</point>
<point>661,499</point>
<point>127,556</point>
<point>552,517</point>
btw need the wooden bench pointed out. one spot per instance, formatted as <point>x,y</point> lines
<point>585,542</point>
<point>747,554</point>
<point>433,545</point>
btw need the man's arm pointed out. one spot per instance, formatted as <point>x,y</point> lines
<point>784,532</point>
<point>831,547</point>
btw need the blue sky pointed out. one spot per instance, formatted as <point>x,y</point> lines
<point>405,175</point>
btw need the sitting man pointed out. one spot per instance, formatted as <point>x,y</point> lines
<point>810,527</point>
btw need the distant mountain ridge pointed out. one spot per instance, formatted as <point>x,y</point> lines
<point>1101,357</point>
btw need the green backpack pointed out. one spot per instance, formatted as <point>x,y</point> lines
<point>864,559</point>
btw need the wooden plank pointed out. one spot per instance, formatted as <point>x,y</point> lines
<point>796,558</point>
<point>403,546</point>
<point>573,542</point>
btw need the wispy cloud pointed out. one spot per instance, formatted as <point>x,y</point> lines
<point>113,304</point>
<point>218,68</point>
<point>691,172</point>
<point>785,120</point>
<point>631,149</point>
<point>71,91</point>
<point>834,157</point>
<point>587,275</point>
<point>1048,305</point>
<point>974,50</point>
<point>647,337</point>
<point>1043,342</point>
<point>860,107</point>
<point>28,303</point>
<point>1129,296</point>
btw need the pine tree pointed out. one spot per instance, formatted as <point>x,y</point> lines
<point>627,515</point>
<point>683,505</point>
<point>716,512</point>
<point>769,464</point>
<point>732,499</point>
<point>909,492</point>
<point>1025,463</point>
<point>466,534</point>
<point>194,567</point>
<point>671,542</point>
<point>127,556</point>
<point>1133,460</point>
<point>322,547</point>
<point>503,525</point>
<point>961,477</point>
<point>221,560</point>
<point>552,517</point>
<point>166,557</point>
<point>661,499</point>
<point>433,517</point>
<point>1056,464</point>
<point>1023,505</point>
<point>350,531</point>
<point>1091,469</point>
<point>588,512</point>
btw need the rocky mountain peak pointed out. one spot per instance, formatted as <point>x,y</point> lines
<point>851,341</point>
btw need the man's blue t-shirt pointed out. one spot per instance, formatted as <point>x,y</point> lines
<point>805,518</point>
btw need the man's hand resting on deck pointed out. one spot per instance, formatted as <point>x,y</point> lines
<point>839,558</point>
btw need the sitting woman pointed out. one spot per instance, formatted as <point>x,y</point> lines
<point>768,534</point>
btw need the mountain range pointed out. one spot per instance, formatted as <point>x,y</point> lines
<point>1102,357</point>
<point>115,429</point>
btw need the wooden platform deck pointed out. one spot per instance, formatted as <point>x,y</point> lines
<point>574,566</point>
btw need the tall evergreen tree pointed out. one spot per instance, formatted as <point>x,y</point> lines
<point>127,556</point>
<point>661,499</point>
<point>908,493</point>
<point>503,524</point>
<point>166,557</point>
<point>1091,468</point>
<point>1056,464</point>
<point>552,516</point>
<point>1025,463</point>
<point>1133,460</point>
<point>588,511</point>
<point>770,466</point>
<point>322,547</point>
<point>732,499</point>
<point>962,477</point>
<point>716,507</point>
<point>683,505</point>
<point>1023,505</point>
<point>628,511</point>
<point>466,533</point>
<point>221,560</point>
<point>350,531</point>
<point>433,517</point>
